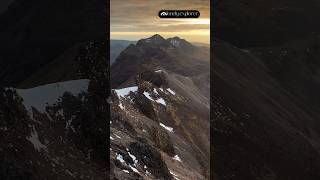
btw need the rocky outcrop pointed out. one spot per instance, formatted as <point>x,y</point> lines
<point>163,143</point>
<point>259,125</point>
<point>151,158</point>
<point>64,138</point>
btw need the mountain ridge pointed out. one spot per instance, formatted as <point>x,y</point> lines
<point>158,52</point>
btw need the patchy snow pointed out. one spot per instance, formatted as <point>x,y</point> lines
<point>121,106</point>
<point>134,169</point>
<point>39,97</point>
<point>125,91</point>
<point>133,158</point>
<point>118,136</point>
<point>161,101</point>
<point>174,175</point>
<point>147,172</point>
<point>158,71</point>
<point>69,124</point>
<point>120,158</point>
<point>175,42</point>
<point>111,138</point>
<point>161,89</point>
<point>126,171</point>
<point>146,94</point>
<point>155,91</point>
<point>34,139</point>
<point>171,91</point>
<point>170,129</point>
<point>177,158</point>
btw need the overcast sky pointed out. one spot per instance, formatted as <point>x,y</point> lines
<point>136,19</point>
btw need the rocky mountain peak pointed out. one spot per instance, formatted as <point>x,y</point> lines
<point>180,43</point>
<point>157,78</point>
<point>155,40</point>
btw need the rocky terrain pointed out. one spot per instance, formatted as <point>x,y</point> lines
<point>54,88</point>
<point>265,103</point>
<point>160,111</point>
<point>57,130</point>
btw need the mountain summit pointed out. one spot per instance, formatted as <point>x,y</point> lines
<point>181,43</point>
<point>155,53</point>
<point>155,40</point>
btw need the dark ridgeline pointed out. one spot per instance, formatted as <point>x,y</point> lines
<point>266,90</point>
<point>34,32</point>
<point>46,42</point>
<point>156,52</point>
<point>116,47</point>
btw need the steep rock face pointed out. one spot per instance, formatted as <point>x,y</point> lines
<point>265,95</point>
<point>14,128</point>
<point>261,129</point>
<point>156,112</point>
<point>295,65</point>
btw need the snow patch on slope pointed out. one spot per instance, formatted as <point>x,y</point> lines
<point>170,129</point>
<point>177,158</point>
<point>34,139</point>
<point>120,158</point>
<point>160,100</point>
<point>41,96</point>
<point>171,91</point>
<point>175,42</point>
<point>174,175</point>
<point>125,91</point>
<point>121,106</point>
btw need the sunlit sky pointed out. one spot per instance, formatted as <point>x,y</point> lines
<point>136,19</point>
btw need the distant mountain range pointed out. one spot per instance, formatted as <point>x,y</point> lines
<point>173,54</point>
<point>116,47</point>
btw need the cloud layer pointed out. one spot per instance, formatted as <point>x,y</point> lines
<point>136,16</point>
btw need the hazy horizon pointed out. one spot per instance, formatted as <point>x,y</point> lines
<point>135,19</point>
<point>166,37</point>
